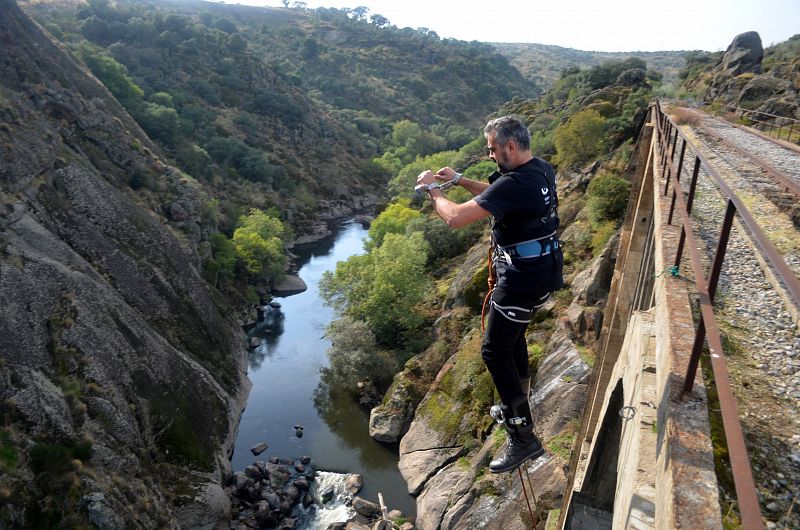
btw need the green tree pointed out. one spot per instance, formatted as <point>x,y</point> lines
<point>114,76</point>
<point>161,123</point>
<point>393,220</point>
<point>580,139</point>
<point>355,358</point>
<point>382,287</point>
<point>257,243</point>
<point>223,262</point>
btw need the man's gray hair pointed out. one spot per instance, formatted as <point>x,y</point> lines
<point>509,128</point>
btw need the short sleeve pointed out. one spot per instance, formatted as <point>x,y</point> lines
<point>501,197</point>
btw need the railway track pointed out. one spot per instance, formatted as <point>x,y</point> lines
<point>756,310</point>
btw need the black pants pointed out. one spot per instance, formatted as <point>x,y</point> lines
<point>504,349</point>
<point>521,289</point>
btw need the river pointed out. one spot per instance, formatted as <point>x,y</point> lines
<point>285,372</point>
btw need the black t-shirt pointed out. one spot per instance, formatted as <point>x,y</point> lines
<point>521,202</point>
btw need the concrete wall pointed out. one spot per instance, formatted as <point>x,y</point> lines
<point>664,467</point>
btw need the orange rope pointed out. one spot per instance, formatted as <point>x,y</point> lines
<point>522,483</point>
<point>491,281</point>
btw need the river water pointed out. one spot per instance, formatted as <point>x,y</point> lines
<point>285,372</point>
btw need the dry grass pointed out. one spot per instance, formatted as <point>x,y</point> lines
<point>683,116</point>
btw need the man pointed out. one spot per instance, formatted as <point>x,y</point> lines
<point>527,263</point>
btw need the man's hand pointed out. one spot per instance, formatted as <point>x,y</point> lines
<point>426,177</point>
<point>446,173</point>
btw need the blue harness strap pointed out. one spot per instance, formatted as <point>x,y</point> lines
<point>533,248</point>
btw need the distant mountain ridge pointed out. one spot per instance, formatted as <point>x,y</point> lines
<point>543,63</point>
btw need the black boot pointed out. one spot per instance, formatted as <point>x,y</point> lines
<point>522,444</point>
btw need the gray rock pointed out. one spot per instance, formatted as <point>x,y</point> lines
<point>353,483</point>
<point>386,425</point>
<point>253,472</point>
<point>744,54</point>
<point>287,524</point>
<point>365,507</point>
<point>289,285</point>
<point>259,448</point>
<point>279,475</point>
<point>100,513</point>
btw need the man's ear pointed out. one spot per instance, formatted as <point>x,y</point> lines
<point>511,145</point>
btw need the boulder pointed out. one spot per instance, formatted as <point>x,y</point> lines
<point>634,77</point>
<point>744,54</point>
<point>386,425</point>
<point>289,285</point>
<point>279,475</point>
<point>366,508</point>
<point>591,285</point>
<point>353,483</point>
<point>760,89</point>
<point>259,448</point>
<point>423,454</point>
<point>287,524</point>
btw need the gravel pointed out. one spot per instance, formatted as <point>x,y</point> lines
<point>765,364</point>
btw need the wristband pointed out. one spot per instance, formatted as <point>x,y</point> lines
<point>432,186</point>
<point>456,179</point>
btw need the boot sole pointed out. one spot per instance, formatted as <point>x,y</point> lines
<point>533,456</point>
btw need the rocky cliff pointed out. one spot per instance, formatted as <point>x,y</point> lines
<point>121,378</point>
<point>446,451</point>
<point>750,77</point>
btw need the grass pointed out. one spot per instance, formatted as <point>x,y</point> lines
<point>587,355</point>
<point>561,445</point>
<point>682,116</point>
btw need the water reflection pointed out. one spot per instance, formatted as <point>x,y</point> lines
<point>350,422</point>
<point>268,329</point>
<point>285,373</point>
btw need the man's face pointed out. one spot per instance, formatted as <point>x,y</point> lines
<point>499,153</point>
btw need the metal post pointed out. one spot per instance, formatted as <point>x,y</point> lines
<point>677,187</point>
<point>694,360</point>
<point>722,245</point>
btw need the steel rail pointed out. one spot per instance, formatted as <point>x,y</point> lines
<point>707,327</point>
<point>786,181</point>
<point>765,246</point>
<point>793,123</point>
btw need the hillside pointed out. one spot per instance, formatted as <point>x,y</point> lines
<point>251,101</point>
<point>122,376</point>
<point>544,64</point>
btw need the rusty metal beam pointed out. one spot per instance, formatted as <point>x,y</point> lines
<point>708,329</point>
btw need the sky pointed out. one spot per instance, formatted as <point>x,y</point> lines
<point>595,25</point>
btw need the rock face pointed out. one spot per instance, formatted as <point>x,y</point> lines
<point>738,79</point>
<point>744,54</point>
<point>454,491</point>
<point>121,376</point>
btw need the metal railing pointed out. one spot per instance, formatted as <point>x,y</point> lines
<point>771,124</point>
<point>707,329</point>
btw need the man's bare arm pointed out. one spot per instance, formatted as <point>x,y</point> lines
<point>457,215</point>
<point>475,187</point>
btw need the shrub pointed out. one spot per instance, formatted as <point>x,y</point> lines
<point>684,116</point>
<point>607,197</point>
<point>393,220</point>
<point>601,234</point>
<point>580,139</point>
